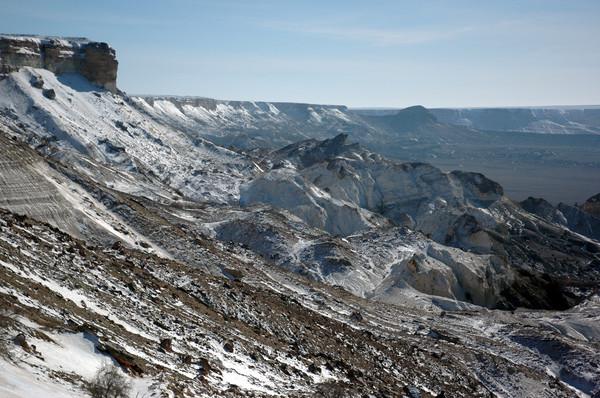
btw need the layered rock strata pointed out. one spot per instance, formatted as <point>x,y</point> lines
<point>94,60</point>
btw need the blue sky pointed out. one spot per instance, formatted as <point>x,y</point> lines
<point>358,53</point>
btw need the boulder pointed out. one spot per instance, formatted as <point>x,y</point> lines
<point>412,391</point>
<point>356,316</point>
<point>233,274</point>
<point>49,93</point>
<point>205,366</point>
<point>187,359</point>
<point>228,346</point>
<point>127,361</point>
<point>312,368</point>
<point>21,341</point>
<point>37,82</point>
<point>166,344</point>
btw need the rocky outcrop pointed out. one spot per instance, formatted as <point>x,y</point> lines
<point>592,206</point>
<point>337,172</point>
<point>346,190</point>
<point>578,219</point>
<point>544,209</point>
<point>93,60</point>
<point>284,188</point>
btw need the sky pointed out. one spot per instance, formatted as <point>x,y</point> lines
<point>357,53</point>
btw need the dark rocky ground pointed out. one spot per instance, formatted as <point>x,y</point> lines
<point>260,316</point>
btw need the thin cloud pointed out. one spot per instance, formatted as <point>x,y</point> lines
<point>374,36</point>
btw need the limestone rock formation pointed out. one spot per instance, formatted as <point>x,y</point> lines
<point>93,60</point>
<point>511,255</point>
<point>334,170</point>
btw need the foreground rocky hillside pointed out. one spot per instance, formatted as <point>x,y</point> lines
<point>178,331</point>
<point>320,268</point>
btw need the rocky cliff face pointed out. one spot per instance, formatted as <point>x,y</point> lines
<point>252,124</point>
<point>580,219</point>
<point>93,60</point>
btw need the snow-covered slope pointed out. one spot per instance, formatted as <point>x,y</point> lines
<point>392,265</point>
<point>399,191</point>
<point>248,124</point>
<point>286,189</point>
<point>30,185</point>
<point>332,171</point>
<point>85,120</point>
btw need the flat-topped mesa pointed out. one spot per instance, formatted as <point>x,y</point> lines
<point>95,61</point>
